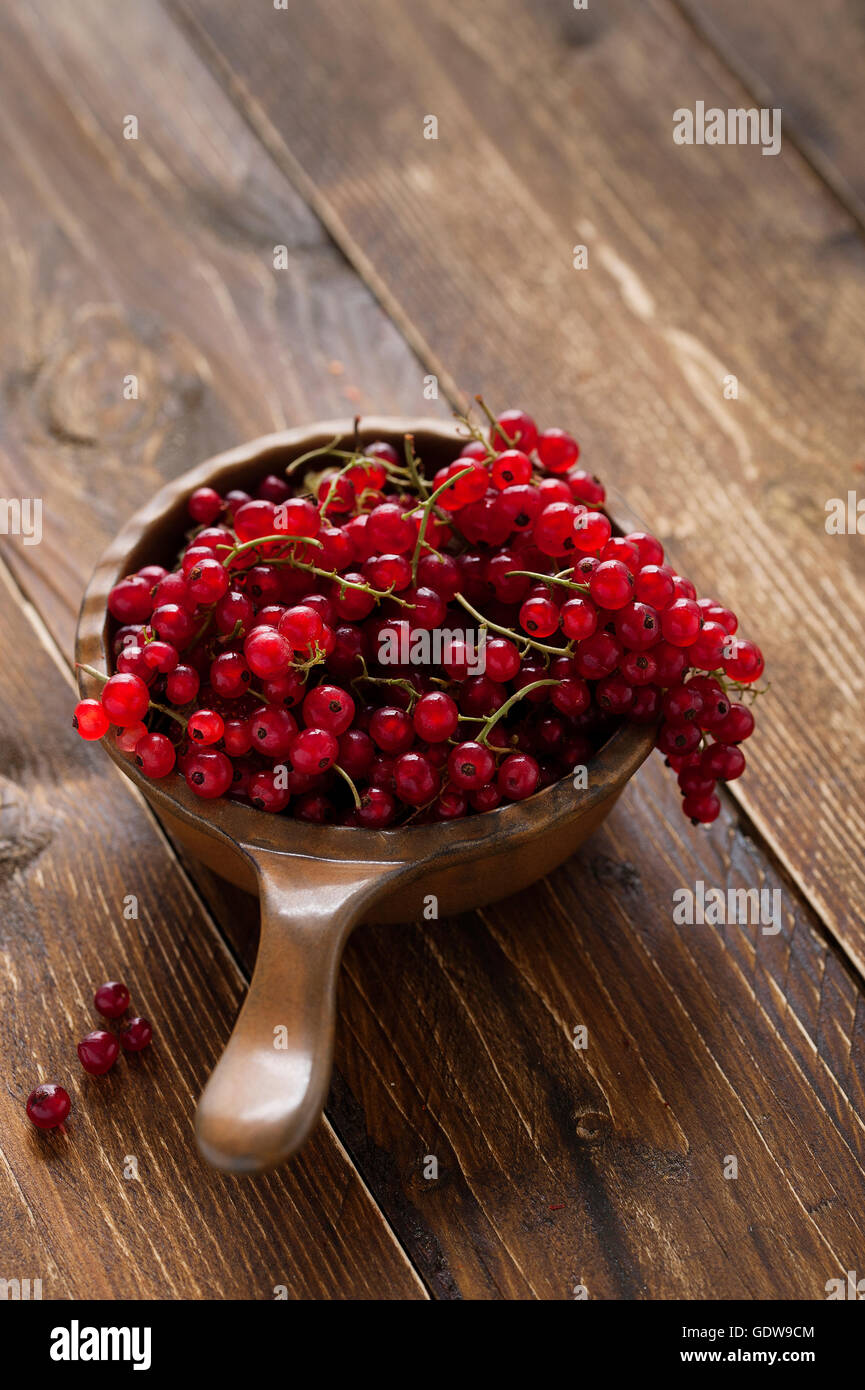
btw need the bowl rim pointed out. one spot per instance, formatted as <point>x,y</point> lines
<point>248,829</point>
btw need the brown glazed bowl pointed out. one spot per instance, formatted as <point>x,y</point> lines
<point>316,883</point>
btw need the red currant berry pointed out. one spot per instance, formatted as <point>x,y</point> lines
<point>90,719</point>
<point>614,694</point>
<point>209,773</point>
<point>48,1106</point>
<point>415,779</point>
<point>137,1036</point>
<point>131,600</point>
<point>611,585</point>
<point>743,661</point>
<point>736,726</point>
<point>204,506</point>
<point>557,450</point>
<point>125,699</point>
<point>313,751</point>
<point>511,468</point>
<point>598,656</point>
<point>518,776</point>
<point>435,717</point>
<point>182,684</point>
<point>268,652</point>
<point>98,1052</point>
<point>205,727</point>
<point>154,754</point>
<point>128,739</point>
<point>111,999</point>
<point>553,531</point>
<point>682,703</point>
<point>572,696</point>
<point>679,738</point>
<point>539,617</point>
<point>702,809</point>
<point>585,488</point>
<point>268,791</point>
<point>470,766</point>
<point>378,808</point>
<point>502,659</point>
<point>516,430</point>
<point>392,730</point>
<point>273,731</point>
<point>646,708</point>
<point>592,530</point>
<point>722,762</point>
<point>680,622</point>
<point>654,586</point>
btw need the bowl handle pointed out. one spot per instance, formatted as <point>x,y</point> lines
<point>270,1086</point>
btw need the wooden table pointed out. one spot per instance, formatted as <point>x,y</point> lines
<point>406,257</point>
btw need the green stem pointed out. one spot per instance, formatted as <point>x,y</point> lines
<point>420,484</point>
<point>553,579</point>
<point>426,509</point>
<point>503,709</point>
<point>345,777</point>
<point>266,540</point>
<point>351,583</point>
<point>495,427</point>
<point>152,704</point>
<point>507,632</point>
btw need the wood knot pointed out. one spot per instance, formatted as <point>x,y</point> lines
<point>593,1126</point>
<point>108,381</point>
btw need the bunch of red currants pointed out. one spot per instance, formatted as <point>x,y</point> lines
<point>257,666</point>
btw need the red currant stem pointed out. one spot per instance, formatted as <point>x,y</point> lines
<point>163,709</point>
<point>61,1127</point>
<point>508,704</point>
<point>91,670</point>
<point>399,681</point>
<point>495,427</point>
<point>323,451</point>
<point>508,632</point>
<point>351,583</point>
<point>315,659</point>
<point>208,619</point>
<point>259,696</point>
<point>172,714</point>
<point>421,486</point>
<point>552,579</point>
<point>426,509</point>
<point>345,777</point>
<point>233,635</point>
<point>476,434</point>
<point>265,540</point>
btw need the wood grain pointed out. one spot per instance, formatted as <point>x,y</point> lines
<point>808,60</point>
<point>703,262</point>
<point>79,853</point>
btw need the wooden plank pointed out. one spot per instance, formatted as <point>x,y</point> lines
<point>154,258</point>
<point>96,253</point>
<point>79,853</point>
<point>492,1001</point>
<point>702,262</point>
<point>810,64</point>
